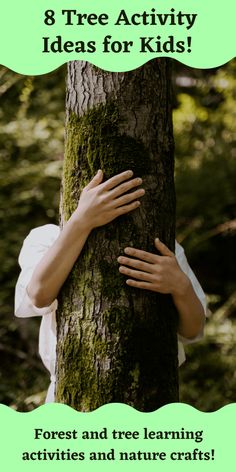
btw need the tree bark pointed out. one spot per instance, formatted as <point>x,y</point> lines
<point>117,343</point>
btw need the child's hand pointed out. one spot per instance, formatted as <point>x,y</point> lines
<point>153,272</point>
<point>100,203</point>
<point>163,274</point>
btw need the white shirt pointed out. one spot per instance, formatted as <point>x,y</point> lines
<point>34,247</point>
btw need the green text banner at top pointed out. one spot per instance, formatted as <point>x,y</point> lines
<point>37,37</point>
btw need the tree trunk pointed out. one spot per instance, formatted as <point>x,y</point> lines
<point>117,343</point>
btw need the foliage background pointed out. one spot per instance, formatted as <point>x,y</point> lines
<point>31,154</point>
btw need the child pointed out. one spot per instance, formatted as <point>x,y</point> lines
<point>48,255</point>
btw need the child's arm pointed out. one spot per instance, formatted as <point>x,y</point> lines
<point>99,204</point>
<point>164,275</point>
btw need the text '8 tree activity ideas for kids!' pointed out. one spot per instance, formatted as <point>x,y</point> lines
<point>73,18</point>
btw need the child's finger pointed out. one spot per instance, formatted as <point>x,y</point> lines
<point>136,264</point>
<point>162,248</point>
<point>142,255</point>
<point>129,197</point>
<point>125,187</point>
<point>122,210</point>
<point>138,284</point>
<point>96,180</point>
<point>117,179</point>
<point>137,274</point>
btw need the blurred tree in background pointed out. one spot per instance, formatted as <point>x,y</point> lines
<point>205,135</point>
<point>31,151</point>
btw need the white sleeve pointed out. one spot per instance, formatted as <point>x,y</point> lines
<point>34,247</point>
<point>182,260</point>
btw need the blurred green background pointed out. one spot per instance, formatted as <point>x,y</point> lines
<point>31,154</point>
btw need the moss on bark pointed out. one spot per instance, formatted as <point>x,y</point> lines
<point>94,142</point>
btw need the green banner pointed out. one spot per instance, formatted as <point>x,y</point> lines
<point>116,437</point>
<point>37,37</point>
